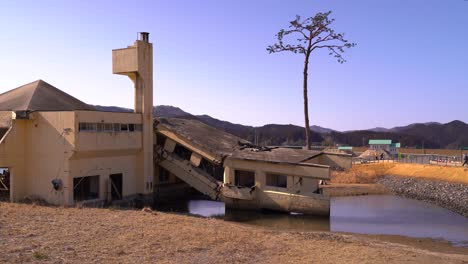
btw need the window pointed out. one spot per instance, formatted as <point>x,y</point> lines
<point>163,175</point>
<point>105,127</point>
<point>277,180</point>
<point>109,127</point>
<point>116,127</point>
<point>86,188</point>
<point>244,178</point>
<point>91,127</point>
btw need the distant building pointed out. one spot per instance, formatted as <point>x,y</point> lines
<point>384,144</point>
<point>345,148</point>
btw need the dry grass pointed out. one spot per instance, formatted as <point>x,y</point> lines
<point>30,233</point>
<point>368,173</point>
<point>444,152</point>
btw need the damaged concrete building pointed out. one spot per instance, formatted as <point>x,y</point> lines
<point>242,175</point>
<point>57,148</point>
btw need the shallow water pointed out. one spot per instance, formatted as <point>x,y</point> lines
<point>371,214</point>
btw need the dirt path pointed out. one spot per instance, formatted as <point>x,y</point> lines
<point>59,235</point>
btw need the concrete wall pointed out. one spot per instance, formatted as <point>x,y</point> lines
<point>47,149</point>
<point>48,146</point>
<point>103,167</point>
<point>301,179</point>
<point>101,141</point>
<point>12,156</point>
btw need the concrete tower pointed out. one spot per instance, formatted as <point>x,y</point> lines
<point>136,62</point>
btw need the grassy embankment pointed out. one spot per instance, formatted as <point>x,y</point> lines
<point>369,173</point>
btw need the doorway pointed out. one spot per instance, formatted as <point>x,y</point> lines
<point>116,182</point>
<point>86,188</point>
<point>5,184</point>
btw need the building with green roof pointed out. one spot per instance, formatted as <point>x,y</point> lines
<point>384,144</point>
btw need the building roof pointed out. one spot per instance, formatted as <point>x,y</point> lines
<point>40,96</point>
<point>345,148</point>
<point>200,135</point>
<point>276,155</point>
<point>221,144</point>
<point>380,141</point>
<point>395,145</point>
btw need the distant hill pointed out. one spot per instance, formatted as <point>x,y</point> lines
<point>430,135</point>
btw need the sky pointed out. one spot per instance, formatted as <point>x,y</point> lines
<point>410,63</point>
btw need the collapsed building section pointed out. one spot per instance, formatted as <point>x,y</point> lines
<point>227,168</point>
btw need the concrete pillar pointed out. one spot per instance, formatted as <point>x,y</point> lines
<point>136,62</point>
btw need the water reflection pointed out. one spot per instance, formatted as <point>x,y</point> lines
<point>372,214</point>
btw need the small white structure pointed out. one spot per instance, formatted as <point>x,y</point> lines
<point>384,144</point>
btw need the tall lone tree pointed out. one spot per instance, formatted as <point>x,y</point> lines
<point>311,34</point>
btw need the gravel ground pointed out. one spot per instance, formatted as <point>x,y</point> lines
<point>451,195</point>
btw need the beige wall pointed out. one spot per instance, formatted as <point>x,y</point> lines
<point>310,175</point>
<point>101,141</point>
<point>12,156</point>
<point>48,146</point>
<point>103,167</point>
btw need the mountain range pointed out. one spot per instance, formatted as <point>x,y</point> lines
<point>451,135</point>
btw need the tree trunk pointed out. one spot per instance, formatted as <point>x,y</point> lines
<point>306,102</point>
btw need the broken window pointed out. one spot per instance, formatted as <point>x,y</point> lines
<point>124,127</point>
<point>116,182</point>
<point>215,171</point>
<point>244,178</point>
<point>277,180</point>
<point>160,140</point>
<point>86,188</point>
<point>4,184</point>
<point>182,152</point>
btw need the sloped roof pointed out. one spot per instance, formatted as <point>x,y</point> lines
<point>217,142</point>
<point>222,144</point>
<point>40,96</point>
<point>276,155</point>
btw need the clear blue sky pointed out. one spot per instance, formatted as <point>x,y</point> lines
<point>410,65</point>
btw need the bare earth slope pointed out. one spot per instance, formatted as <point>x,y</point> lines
<point>31,233</point>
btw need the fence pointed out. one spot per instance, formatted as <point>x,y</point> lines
<point>416,159</point>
